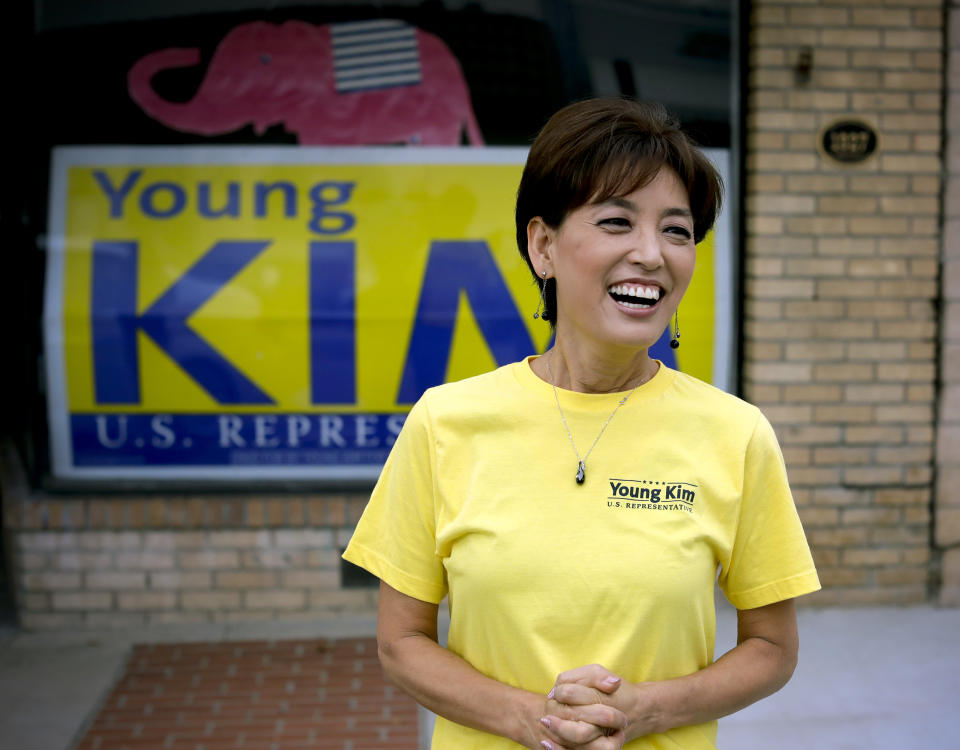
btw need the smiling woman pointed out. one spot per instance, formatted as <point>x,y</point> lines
<point>581,602</point>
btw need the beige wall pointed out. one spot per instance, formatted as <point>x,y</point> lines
<point>842,281</point>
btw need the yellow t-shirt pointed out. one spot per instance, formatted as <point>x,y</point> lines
<point>478,499</point>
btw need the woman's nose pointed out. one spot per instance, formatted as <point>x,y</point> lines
<point>645,251</point>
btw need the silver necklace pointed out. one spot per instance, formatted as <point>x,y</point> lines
<point>582,462</point>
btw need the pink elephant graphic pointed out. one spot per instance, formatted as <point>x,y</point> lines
<point>365,82</point>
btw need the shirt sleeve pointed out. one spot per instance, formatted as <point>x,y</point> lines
<point>395,538</point>
<point>770,560</point>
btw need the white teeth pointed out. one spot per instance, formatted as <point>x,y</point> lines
<point>631,290</point>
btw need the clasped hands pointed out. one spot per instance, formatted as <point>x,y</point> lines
<point>589,708</point>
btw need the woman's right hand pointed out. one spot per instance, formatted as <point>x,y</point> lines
<point>551,725</point>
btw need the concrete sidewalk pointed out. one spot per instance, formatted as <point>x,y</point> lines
<point>879,678</point>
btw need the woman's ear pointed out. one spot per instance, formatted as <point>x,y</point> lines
<point>540,245</point>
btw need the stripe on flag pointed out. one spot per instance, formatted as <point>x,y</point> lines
<point>375,54</point>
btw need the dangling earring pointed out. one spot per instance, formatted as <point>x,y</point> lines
<point>543,290</point>
<point>675,339</point>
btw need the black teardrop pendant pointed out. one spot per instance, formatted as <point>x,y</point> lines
<point>580,472</point>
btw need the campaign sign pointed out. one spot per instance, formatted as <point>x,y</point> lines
<point>229,313</point>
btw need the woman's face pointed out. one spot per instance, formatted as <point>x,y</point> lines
<point>621,265</point>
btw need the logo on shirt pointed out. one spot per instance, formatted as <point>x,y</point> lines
<point>649,494</point>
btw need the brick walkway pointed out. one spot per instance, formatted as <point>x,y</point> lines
<point>256,695</point>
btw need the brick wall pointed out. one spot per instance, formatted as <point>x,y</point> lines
<point>842,281</point>
<point>948,437</point>
<point>97,562</point>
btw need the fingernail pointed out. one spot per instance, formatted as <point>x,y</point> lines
<point>553,691</point>
<point>611,680</point>
<point>545,721</point>
<point>546,745</point>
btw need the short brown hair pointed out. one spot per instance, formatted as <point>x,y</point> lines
<point>596,149</point>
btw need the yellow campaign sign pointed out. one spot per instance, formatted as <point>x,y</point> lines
<point>275,311</point>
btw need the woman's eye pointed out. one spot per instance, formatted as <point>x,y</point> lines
<point>615,221</point>
<point>679,231</point>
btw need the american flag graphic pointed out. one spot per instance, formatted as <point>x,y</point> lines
<point>374,55</point>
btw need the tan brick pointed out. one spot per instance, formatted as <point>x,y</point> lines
<point>905,413</point>
<point>782,288</point>
<point>909,163</point>
<point>876,350</point>
<point>196,579</point>
<point>883,184</point>
<point>245,579</point>
<point>815,310</point>
<point>205,600</point>
<point>900,204</point>
<point>906,371</point>
<point>767,99</point>
<point>788,413</point>
<point>210,559</point>
<point>303,538</point>
<point>782,246</point>
<point>128,600</point>
<point>221,539</point>
<point>841,454</point>
<point>912,39</point>
<point>852,204</point>
<point>845,288</point>
<point>882,59</point>
<point>910,121</point>
<point>781,120</point>
<point>818,183</point>
<point>846,37</point>
<point>779,372</point>
<point>871,557</point>
<point>881,101</point>
<point>820,224</point>
<point>32,621</point>
<point>82,600</point>
<point>838,537</point>
<point>816,99</point>
<point>832,576</point>
<point>311,579</point>
<point>781,161</point>
<point>275,600</point>
<point>115,579</point>
<point>844,414</point>
<point>902,575</point>
<point>809,434</point>
<point>50,581</point>
<point>145,560</point>
<point>843,373</point>
<point>783,36</point>
<point>918,247</point>
<point>815,351</point>
<point>765,183</point>
<point>894,17</point>
<point>875,225</point>
<point>846,246</point>
<point>817,16</point>
<point>764,225</point>
<point>925,185</point>
<point>781,204</point>
<point>811,516</point>
<point>857,435</point>
<point>812,393</point>
<point>778,78</point>
<point>802,141</point>
<point>927,142</point>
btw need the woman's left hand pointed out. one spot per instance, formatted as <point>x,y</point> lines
<point>578,694</point>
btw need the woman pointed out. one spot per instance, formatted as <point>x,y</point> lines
<point>577,506</point>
